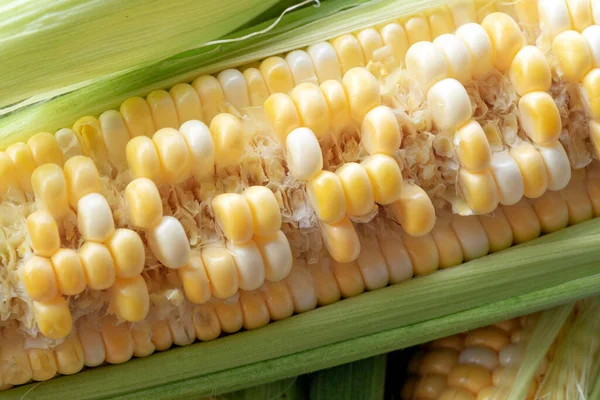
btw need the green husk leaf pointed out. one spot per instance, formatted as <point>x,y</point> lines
<point>359,380</point>
<point>288,389</point>
<point>296,29</point>
<point>50,47</point>
<point>595,394</point>
<point>559,268</point>
<point>546,329</point>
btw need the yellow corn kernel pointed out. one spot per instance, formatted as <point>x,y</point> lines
<point>162,338</point>
<point>497,229</point>
<point>250,264</point>
<point>174,155</point>
<point>182,330</point>
<point>362,91</point>
<point>162,109</point>
<point>9,183</point>
<point>127,250</point>
<point>337,103</point>
<point>593,186</point>
<point>326,287</point>
<point>326,196</point>
<point>523,221</point>
<point>206,322</point>
<point>478,190</point>
<point>53,317</point>
<point>302,67</point>
<point>506,38</point>
<point>396,256</point>
<point>458,58</point>
<point>141,333</point>
<point>69,272</point>
<point>143,160</point>
<point>385,176</point>
<point>145,203</point>
<point>358,191</point>
<point>195,280</point>
<point>430,386</point>
<point>485,7</point>
<point>117,340</point>
<point>557,165</point>
<point>82,178</point>
<point>408,388</point>
<point>130,299</point>
<point>264,207</point>
<point>414,210</point>
<point>456,394</point>
<point>277,75</point>
<point>211,96</point>
<point>341,240</point>
<point>38,278</point>
<point>137,117</point>
<point>440,22</point>
<point>380,132</point>
<point>187,102</point>
<point>42,362</point>
<point>580,12</point>
<point>527,13</point>
<point>438,361</point>
<point>533,169</point>
<point>94,218</point>
<point>235,88</point>
<point>312,108</point>
<point>576,195</point>
<point>426,64</point>
<point>539,117</point>
<point>230,315</point>
<point>449,248</point>
<point>277,255</point>
<point>326,62</point>
<point>454,342</point>
<point>511,355</point>
<point>254,309</point>
<point>169,243</point>
<point>234,216</point>
<point>480,48</point>
<point>471,235</point>
<point>98,265</point>
<point>349,52</point>
<point>69,355</point>
<point>371,263</point>
<point>551,209</point>
<point>23,163</point>
<point>301,287</point>
<point>44,149</point>
<point>394,36</point>
<point>463,12</point>
<point>423,253</point>
<point>91,342</point>
<point>221,270</point>
<point>590,90</point>
<point>50,188</point>
<point>507,175</point>
<point>472,147</point>
<point>282,115</point>
<point>278,299</point>
<point>529,71</point>
<point>417,29</point>
<point>594,129</point>
<point>228,139</point>
<point>43,233</point>
<point>470,377</point>
<point>349,279</point>
<point>573,55</point>
<point>92,140</point>
<point>370,41</point>
<point>257,88</point>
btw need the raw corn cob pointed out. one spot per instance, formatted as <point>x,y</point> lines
<point>487,363</point>
<point>258,193</point>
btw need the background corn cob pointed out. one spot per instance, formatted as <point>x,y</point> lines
<point>166,159</point>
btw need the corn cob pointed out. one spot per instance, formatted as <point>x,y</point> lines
<point>178,180</point>
<point>485,363</point>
